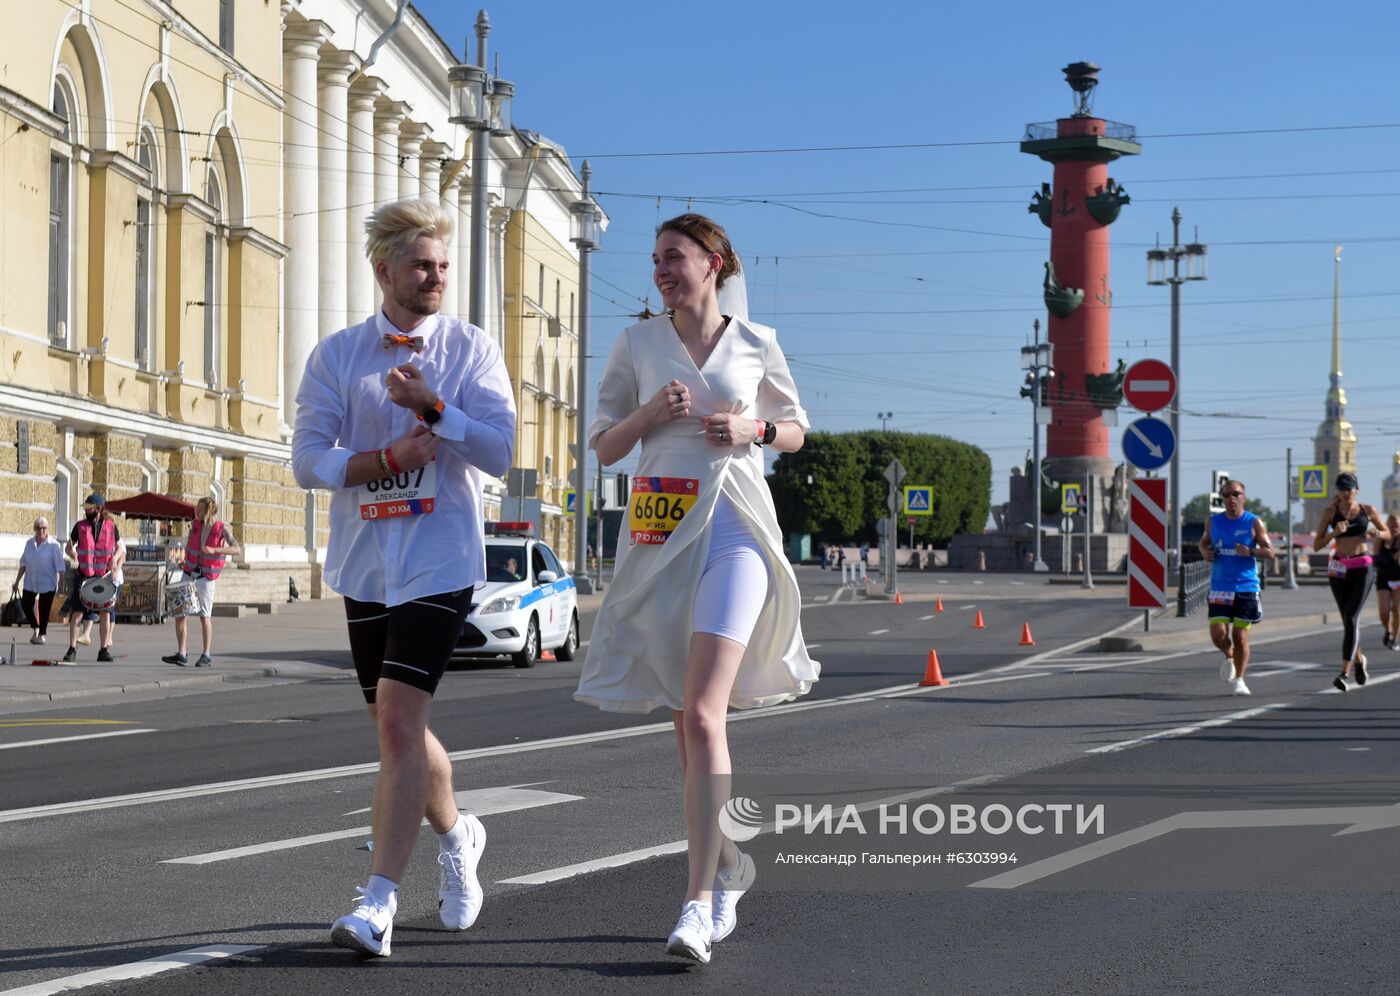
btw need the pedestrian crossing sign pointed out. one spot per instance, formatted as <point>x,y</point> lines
<point>1312,481</point>
<point>1069,497</point>
<point>571,503</point>
<point>918,499</point>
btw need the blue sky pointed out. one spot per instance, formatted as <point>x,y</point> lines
<point>917,301</point>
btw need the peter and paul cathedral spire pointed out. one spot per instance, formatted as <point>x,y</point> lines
<point>1334,446</point>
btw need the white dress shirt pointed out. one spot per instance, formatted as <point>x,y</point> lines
<point>343,408</point>
<point>42,563</point>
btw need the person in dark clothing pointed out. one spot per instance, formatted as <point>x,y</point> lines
<point>1346,524</point>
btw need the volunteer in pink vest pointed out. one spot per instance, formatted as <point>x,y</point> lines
<point>208,544</point>
<point>91,544</point>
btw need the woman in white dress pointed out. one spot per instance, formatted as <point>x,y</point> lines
<point>704,611</point>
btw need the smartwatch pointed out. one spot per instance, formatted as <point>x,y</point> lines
<point>432,415</point>
<point>767,433</point>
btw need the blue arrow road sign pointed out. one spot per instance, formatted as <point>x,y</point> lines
<point>1149,443</point>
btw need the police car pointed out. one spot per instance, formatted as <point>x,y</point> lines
<point>528,604</point>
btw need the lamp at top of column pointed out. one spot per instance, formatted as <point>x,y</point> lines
<point>1196,259</point>
<point>483,104</point>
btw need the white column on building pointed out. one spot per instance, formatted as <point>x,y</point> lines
<point>360,195</point>
<point>412,134</point>
<point>301,42</point>
<point>333,79</point>
<point>463,217</point>
<point>388,116</point>
<point>431,158</point>
<point>496,266</point>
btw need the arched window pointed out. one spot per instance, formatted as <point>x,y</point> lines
<point>61,158</point>
<point>146,214</point>
<point>213,260</point>
<point>539,369</point>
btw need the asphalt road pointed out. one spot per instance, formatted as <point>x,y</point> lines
<point>1262,902</point>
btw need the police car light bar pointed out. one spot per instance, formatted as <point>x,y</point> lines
<point>510,529</point>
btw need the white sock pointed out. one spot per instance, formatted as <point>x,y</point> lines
<point>458,836</point>
<point>382,890</point>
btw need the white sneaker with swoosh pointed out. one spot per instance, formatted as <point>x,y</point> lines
<point>730,886</point>
<point>691,938</point>
<point>369,928</point>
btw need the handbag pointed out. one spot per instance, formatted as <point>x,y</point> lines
<point>13,613</point>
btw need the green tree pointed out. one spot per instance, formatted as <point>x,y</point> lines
<point>834,486</point>
<point>1197,510</point>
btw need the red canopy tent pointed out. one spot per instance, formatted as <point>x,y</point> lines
<point>149,505</point>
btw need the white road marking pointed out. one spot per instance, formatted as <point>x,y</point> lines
<point>964,608</point>
<point>813,646</point>
<point>1182,731</point>
<point>64,740</point>
<point>927,618</point>
<point>482,802</point>
<point>877,632</point>
<point>597,864</point>
<point>964,683</point>
<point>134,970</point>
<point>1355,688</point>
<point>678,846</point>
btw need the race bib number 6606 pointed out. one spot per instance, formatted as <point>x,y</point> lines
<point>657,506</point>
<point>409,492</point>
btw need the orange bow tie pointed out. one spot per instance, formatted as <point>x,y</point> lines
<point>413,342</point>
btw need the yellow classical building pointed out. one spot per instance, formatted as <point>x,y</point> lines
<point>139,266</point>
<point>182,194</point>
<point>541,337</point>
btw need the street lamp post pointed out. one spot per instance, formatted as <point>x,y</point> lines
<point>483,104</point>
<point>1040,361</point>
<point>884,417</point>
<point>587,236</point>
<point>1195,255</point>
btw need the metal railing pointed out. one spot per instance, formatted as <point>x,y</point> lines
<point>1193,586</point>
<point>1040,131</point>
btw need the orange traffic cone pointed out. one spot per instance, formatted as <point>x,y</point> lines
<point>898,599</point>
<point>1026,640</point>
<point>938,605</point>
<point>932,675</point>
<point>978,623</point>
<point>547,655</point>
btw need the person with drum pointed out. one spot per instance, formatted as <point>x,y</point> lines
<point>92,544</point>
<point>209,542</point>
<point>91,616</point>
<point>398,418</point>
<point>41,568</point>
<point>704,611</point>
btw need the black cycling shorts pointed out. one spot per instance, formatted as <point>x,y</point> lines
<point>411,643</point>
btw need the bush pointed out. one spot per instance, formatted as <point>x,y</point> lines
<point>848,489</point>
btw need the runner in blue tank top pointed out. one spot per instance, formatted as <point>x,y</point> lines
<point>1233,542</point>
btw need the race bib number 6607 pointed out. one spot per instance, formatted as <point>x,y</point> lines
<point>657,506</point>
<point>409,492</point>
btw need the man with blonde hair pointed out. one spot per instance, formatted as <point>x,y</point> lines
<point>209,542</point>
<point>397,418</point>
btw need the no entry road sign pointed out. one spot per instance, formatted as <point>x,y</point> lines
<point>1149,385</point>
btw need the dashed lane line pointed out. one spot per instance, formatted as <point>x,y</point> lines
<point>134,970</point>
<point>66,740</point>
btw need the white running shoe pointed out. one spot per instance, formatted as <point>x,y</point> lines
<point>1227,669</point>
<point>730,886</point>
<point>1239,687</point>
<point>369,928</point>
<point>459,890</point>
<point>691,938</point>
